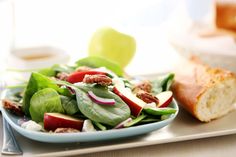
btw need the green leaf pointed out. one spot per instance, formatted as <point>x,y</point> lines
<point>63,68</point>
<point>166,116</point>
<point>162,83</point>
<point>43,101</point>
<point>99,126</point>
<point>159,111</point>
<point>150,120</point>
<point>69,104</point>
<point>96,62</point>
<point>135,121</point>
<point>47,72</point>
<point>110,115</point>
<point>37,82</point>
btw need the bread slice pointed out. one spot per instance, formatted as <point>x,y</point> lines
<point>207,93</point>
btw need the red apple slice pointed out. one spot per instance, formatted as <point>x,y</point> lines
<point>52,121</point>
<point>135,104</point>
<point>165,98</point>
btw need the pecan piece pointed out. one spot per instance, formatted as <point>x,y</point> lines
<point>144,86</point>
<point>62,76</point>
<point>99,79</point>
<point>147,97</point>
<point>83,68</point>
<point>66,130</point>
<point>12,106</point>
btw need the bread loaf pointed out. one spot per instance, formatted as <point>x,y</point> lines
<point>207,93</point>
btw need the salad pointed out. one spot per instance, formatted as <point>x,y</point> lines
<point>94,94</point>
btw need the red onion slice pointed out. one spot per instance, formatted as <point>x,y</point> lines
<point>121,125</point>
<point>100,100</point>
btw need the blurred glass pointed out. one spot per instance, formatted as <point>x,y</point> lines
<point>6,30</point>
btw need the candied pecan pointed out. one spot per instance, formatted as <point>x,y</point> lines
<point>12,106</point>
<point>144,86</point>
<point>99,79</point>
<point>62,76</point>
<point>147,97</point>
<point>83,68</point>
<point>66,130</point>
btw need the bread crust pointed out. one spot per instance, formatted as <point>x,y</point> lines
<point>193,79</point>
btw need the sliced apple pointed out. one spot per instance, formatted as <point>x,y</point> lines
<point>165,98</point>
<point>135,104</point>
<point>52,121</point>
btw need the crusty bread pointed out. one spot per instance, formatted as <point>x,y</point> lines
<point>207,93</point>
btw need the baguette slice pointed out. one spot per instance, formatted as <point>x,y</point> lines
<point>207,93</point>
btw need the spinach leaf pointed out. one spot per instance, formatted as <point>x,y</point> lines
<point>69,104</point>
<point>63,68</point>
<point>43,101</point>
<point>99,126</point>
<point>110,115</point>
<point>96,62</point>
<point>47,72</point>
<point>55,69</point>
<point>159,111</point>
<point>37,82</point>
<point>163,83</point>
<point>135,121</point>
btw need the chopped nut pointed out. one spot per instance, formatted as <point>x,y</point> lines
<point>62,76</point>
<point>99,79</point>
<point>144,86</point>
<point>83,68</point>
<point>13,107</point>
<point>66,130</point>
<point>147,97</point>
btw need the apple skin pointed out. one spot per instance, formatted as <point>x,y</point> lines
<point>135,108</point>
<point>165,98</point>
<point>52,121</point>
<point>79,76</point>
<point>111,44</point>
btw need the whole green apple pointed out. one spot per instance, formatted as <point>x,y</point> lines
<point>111,44</point>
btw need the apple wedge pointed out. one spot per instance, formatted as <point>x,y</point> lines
<point>135,104</point>
<point>165,98</point>
<point>52,121</point>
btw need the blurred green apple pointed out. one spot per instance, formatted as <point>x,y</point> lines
<point>111,44</point>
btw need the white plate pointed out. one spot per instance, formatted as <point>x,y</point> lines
<point>82,136</point>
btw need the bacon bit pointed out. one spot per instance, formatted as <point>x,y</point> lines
<point>13,107</point>
<point>99,79</point>
<point>66,130</point>
<point>144,86</point>
<point>62,76</point>
<point>147,97</point>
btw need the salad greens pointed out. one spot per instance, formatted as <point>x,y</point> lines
<point>159,111</point>
<point>43,101</point>
<point>162,83</point>
<point>96,62</point>
<point>100,126</point>
<point>63,68</point>
<point>47,93</point>
<point>37,82</point>
<point>110,115</point>
<point>69,104</point>
<point>135,121</point>
<point>47,72</point>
